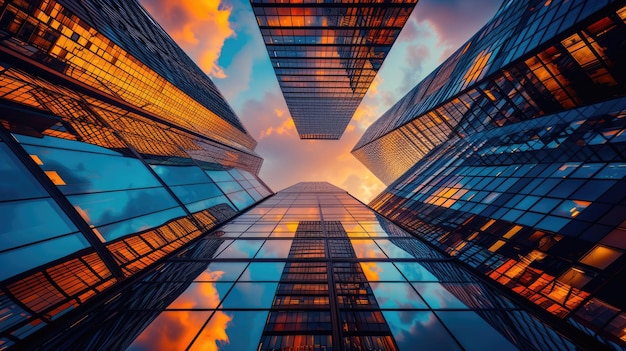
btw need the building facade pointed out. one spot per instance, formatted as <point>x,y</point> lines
<point>310,268</point>
<point>326,55</point>
<point>533,58</point>
<point>116,150</point>
<point>521,174</point>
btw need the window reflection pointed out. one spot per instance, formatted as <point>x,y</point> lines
<point>411,328</point>
<point>250,295</point>
<point>171,330</point>
<point>225,329</point>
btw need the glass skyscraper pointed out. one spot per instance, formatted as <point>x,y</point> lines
<point>510,158</point>
<point>531,59</point>
<point>326,55</point>
<point>310,268</point>
<point>115,151</point>
<point>132,215</point>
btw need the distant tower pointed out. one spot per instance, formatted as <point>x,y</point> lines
<point>326,55</point>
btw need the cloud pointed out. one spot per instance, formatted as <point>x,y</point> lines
<point>288,160</point>
<point>200,27</point>
<point>455,21</point>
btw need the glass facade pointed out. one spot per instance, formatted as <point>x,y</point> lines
<point>532,59</point>
<point>310,268</point>
<point>326,55</point>
<point>511,159</point>
<point>132,215</point>
<point>537,206</point>
<point>115,153</point>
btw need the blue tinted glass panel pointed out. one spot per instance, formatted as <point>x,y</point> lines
<point>15,181</point>
<point>274,249</point>
<point>397,295</point>
<point>415,272</point>
<point>241,249</point>
<point>259,271</point>
<point>241,199</point>
<point>413,328</point>
<point>466,325</point>
<point>139,224</point>
<point>104,208</point>
<point>14,261</point>
<point>28,221</point>
<point>220,176</point>
<point>84,172</point>
<point>392,250</point>
<point>196,192</point>
<point>250,295</point>
<point>204,204</point>
<point>437,296</point>
<point>229,187</point>
<point>178,175</point>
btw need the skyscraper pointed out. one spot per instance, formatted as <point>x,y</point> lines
<point>326,55</point>
<point>309,269</point>
<point>115,151</point>
<point>531,59</point>
<point>511,159</point>
<point>133,218</point>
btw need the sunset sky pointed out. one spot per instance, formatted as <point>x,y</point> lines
<point>224,40</point>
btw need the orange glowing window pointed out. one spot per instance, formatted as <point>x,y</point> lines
<point>512,232</point>
<point>622,13</point>
<point>497,245</point>
<point>487,225</point>
<point>36,159</point>
<point>601,256</point>
<point>477,68</point>
<point>55,177</point>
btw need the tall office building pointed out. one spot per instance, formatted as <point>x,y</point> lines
<point>326,55</point>
<point>310,268</point>
<point>115,150</point>
<point>531,59</point>
<point>515,150</point>
<point>133,218</point>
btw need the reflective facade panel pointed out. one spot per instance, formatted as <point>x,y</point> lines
<point>310,268</point>
<point>538,207</point>
<point>531,59</point>
<point>326,55</point>
<point>115,152</point>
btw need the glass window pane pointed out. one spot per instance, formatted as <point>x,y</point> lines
<point>16,182</point>
<point>412,329</point>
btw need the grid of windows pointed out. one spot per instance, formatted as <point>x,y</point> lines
<point>536,206</point>
<point>111,157</point>
<point>326,55</point>
<point>370,284</point>
<point>68,44</point>
<point>569,67</point>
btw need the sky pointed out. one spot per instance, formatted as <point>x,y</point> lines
<point>223,38</point>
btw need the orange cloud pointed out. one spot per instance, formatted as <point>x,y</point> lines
<point>371,270</point>
<point>214,331</point>
<point>289,160</point>
<point>286,125</point>
<point>200,27</point>
<point>174,330</point>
